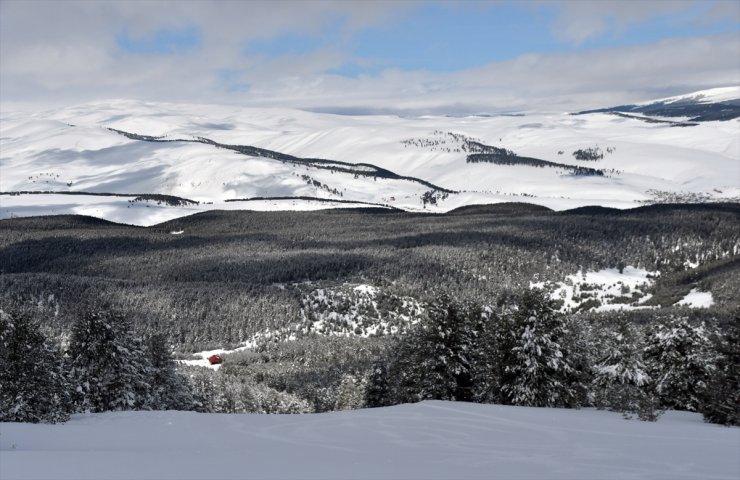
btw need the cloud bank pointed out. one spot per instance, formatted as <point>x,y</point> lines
<point>597,53</point>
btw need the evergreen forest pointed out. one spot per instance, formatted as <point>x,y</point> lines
<point>344,309</point>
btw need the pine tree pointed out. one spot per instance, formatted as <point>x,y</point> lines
<point>620,379</point>
<point>33,387</point>
<point>487,357</point>
<point>434,360</point>
<point>203,386</point>
<point>578,343</point>
<point>351,394</point>
<point>169,389</point>
<point>228,395</point>
<point>722,401</point>
<point>108,366</point>
<point>537,370</point>
<point>378,392</point>
<point>680,361</point>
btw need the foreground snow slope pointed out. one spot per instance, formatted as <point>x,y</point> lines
<point>72,149</point>
<point>426,440</point>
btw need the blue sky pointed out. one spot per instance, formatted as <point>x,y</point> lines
<point>413,55</point>
<point>165,41</point>
<point>447,37</point>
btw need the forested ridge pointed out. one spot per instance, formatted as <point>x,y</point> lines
<point>346,306</point>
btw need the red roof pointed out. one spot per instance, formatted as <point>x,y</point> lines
<point>215,359</point>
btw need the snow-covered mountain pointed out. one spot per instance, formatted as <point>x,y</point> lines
<point>716,104</point>
<point>216,154</point>
<point>713,95</point>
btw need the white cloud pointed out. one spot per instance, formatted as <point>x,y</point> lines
<point>721,11</point>
<point>65,52</point>
<point>561,82</point>
<point>580,20</point>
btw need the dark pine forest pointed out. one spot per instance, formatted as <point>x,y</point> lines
<point>449,314</point>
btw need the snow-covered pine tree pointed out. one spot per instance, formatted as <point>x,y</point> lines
<point>680,360</point>
<point>229,394</point>
<point>351,394</point>
<point>33,387</point>
<point>492,341</point>
<point>722,402</point>
<point>378,390</point>
<point>169,389</point>
<point>434,360</point>
<point>108,367</point>
<point>203,386</point>
<point>537,369</point>
<point>620,380</point>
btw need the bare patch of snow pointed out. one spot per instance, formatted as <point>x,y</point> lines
<point>366,289</point>
<point>697,299</point>
<point>604,290</point>
<point>201,358</point>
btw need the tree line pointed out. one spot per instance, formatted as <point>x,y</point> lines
<point>232,275</point>
<point>518,350</point>
<point>521,351</point>
<point>102,366</point>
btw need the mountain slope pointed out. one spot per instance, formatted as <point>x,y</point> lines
<point>211,154</point>
<point>717,104</point>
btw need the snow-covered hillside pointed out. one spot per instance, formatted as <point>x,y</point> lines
<point>425,440</point>
<point>716,104</point>
<point>407,163</point>
<point>712,95</point>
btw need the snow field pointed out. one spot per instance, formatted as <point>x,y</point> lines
<point>697,299</point>
<point>72,149</point>
<point>614,290</point>
<point>432,440</point>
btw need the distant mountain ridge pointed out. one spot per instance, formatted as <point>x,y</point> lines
<point>718,104</point>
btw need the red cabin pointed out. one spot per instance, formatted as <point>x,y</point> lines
<point>214,359</point>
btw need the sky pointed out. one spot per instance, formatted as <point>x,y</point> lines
<point>388,57</point>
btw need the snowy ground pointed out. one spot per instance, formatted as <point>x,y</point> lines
<point>200,359</point>
<point>427,440</point>
<point>697,299</point>
<point>607,289</point>
<point>71,149</point>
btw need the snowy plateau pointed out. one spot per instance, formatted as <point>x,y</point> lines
<point>225,158</point>
<point>426,440</point>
